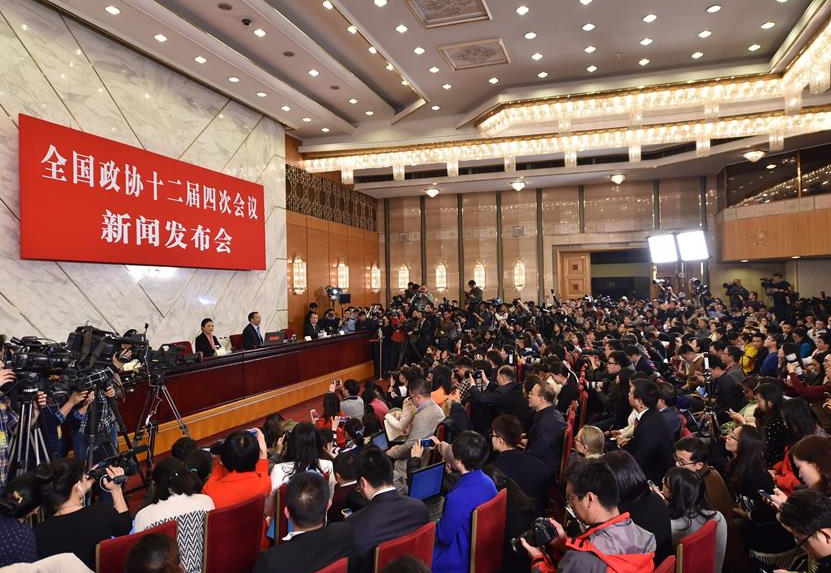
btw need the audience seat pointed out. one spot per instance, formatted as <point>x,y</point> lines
<point>584,402</point>
<point>111,554</point>
<point>668,565</point>
<point>568,437</point>
<point>236,342</point>
<point>288,333</point>
<point>418,544</point>
<point>339,566</point>
<point>233,537</point>
<point>183,347</point>
<point>487,535</point>
<point>696,553</point>
<point>281,523</point>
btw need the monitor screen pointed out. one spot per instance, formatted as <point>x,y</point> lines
<point>427,482</point>
<point>380,440</point>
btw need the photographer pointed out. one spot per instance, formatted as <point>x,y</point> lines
<point>592,494</point>
<point>106,387</point>
<point>70,526</point>
<point>780,290</point>
<point>422,298</point>
<point>736,292</point>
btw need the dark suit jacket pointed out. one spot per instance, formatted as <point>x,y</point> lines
<point>311,330</point>
<point>507,399</point>
<point>345,497</point>
<point>652,445</point>
<point>527,471</point>
<point>250,338</point>
<point>545,440</point>
<point>568,394</point>
<point>204,346</point>
<point>308,552</point>
<point>388,516</point>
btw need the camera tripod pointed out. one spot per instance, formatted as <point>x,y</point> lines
<point>402,351</point>
<point>149,422</point>
<point>708,414</point>
<point>27,439</point>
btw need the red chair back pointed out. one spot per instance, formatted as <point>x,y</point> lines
<point>233,536</point>
<point>441,431</point>
<point>288,333</point>
<point>568,444</point>
<point>584,401</point>
<point>696,553</point>
<point>236,342</point>
<point>685,431</point>
<point>668,565</point>
<point>111,554</point>
<point>487,535</point>
<point>338,566</point>
<point>418,544</point>
<point>183,347</point>
<point>281,522</point>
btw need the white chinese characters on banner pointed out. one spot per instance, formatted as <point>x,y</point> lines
<point>115,177</point>
<point>115,228</point>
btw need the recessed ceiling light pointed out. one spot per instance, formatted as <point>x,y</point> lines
<point>113,10</point>
<point>697,55</point>
<point>418,50</point>
<point>369,113</point>
<point>259,32</point>
<point>768,25</point>
<point>389,67</point>
<point>401,28</point>
<point>307,119</point>
<point>324,129</point>
<point>286,108</point>
<point>199,60</point>
<point>160,38</point>
<point>261,94</point>
<point>705,34</point>
<point>523,10</point>
<point>447,86</point>
<point>588,27</point>
<point>372,50</point>
<point>618,178</point>
<point>714,8</point>
<point>649,18</point>
<point>435,108</point>
<point>646,41</point>
<point>753,47</point>
<point>542,75</point>
<point>795,257</point>
<point>518,185</point>
<point>431,192</point>
<point>585,2</point>
<point>754,155</point>
<point>434,70</point>
<point>380,3</point>
<point>744,260</point>
<point>494,81</point>
<point>405,83</point>
<point>771,166</point>
<point>591,69</point>
<point>327,4</point>
<point>643,61</point>
<point>536,56</point>
<point>233,79</point>
<point>781,1</point>
<point>353,101</point>
<point>530,36</point>
<point>314,73</point>
<point>352,29</point>
<point>589,49</point>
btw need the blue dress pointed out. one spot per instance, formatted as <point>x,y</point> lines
<point>17,542</point>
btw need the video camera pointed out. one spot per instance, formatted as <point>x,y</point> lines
<point>540,535</point>
<point>125,460</point>
<point>766,283</point>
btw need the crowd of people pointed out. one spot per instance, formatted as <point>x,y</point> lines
<point>684,411</point>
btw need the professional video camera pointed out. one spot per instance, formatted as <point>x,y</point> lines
<point>92,347</point>
<point>699,288</point>
<point>445,305</point>
<point>125,460</point>
<point>661,283</point>
<point>766,283</point>
<point>540,535</point>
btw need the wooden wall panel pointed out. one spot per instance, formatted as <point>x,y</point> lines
<point>776,236</point>
<point>296,247</point>
<point>371,243</point>
<point>355,257</point>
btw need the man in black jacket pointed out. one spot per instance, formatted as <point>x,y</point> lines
<point>388,515</point>
<point>545,439</point>
<point>251,336</point>
<point>527,471</point>
<point>505,398</point>
<point>651,444</point>
<point>311,545</point>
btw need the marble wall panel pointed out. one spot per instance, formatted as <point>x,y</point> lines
<point>61,71</point>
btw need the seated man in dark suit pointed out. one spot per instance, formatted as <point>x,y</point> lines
<point>528,472</point>
<point>251,336</point>
<point>311,329</point>
<point>651,444</point>
<point>311,545</point>
<point>545,438</point>
<point>388,515</point>
<point>667,396</point>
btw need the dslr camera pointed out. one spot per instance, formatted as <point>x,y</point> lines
<point>540,534</point>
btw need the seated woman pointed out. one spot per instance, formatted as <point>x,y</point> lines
<point>272,430</point>
<point>199,465</point>
<point>20,499</point>
<point>206,342</point>
<point>302,455</point>
<point>173,496</point>
<point>243,471</point>
<point>590,442</point>
<point>645,507</point>
<point>371,398</point>
<point>356,436</point>
<point>684,491</point>
<point>154,553</point>
<point>331,417</point>
<point>70,526</point>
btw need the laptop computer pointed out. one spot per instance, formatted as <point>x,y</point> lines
<point>379,439</point>
<point>425,484</point>
<point>272,338</point>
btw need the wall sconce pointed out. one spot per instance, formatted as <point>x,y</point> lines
<point>403,277</point>
<point>519,275</point>
<point>374,278</point>
<point>479,274</point>
<point>343,275</point>
<point>441,277</point>
<point>298,271</point>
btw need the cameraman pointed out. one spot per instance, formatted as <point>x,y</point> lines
<point>8,422</point>
<point>779,289</point>
<point>422,298</point>
<point>106,434</point>
<point>737,293</point>
<point>592,493</point>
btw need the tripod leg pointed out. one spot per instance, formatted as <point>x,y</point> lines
<point>182,426</point>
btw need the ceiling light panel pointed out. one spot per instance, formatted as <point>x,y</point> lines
<point>522,10</point>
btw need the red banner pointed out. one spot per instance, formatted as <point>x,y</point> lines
<point>91,199</point>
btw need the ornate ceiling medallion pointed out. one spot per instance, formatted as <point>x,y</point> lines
<point>477,54</point>
<point>435,13</point>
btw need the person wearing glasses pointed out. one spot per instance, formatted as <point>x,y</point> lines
<point>807,516</point>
